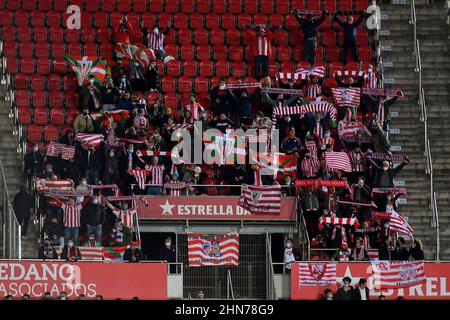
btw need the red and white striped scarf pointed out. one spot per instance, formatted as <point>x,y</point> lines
<point>325,142</point>
<point>175,187</point>
<point>195,108</point>
<point>126,216</point>
<point>314,90</point>
<point>310,167</point>
<point>370,80</point>
<point>341,221</point>
<point>318,130</point>
<point>141,176</point>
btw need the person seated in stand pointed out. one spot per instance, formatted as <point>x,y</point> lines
<point>291,144</point>
<point>358,252</point>
<point>71,252</point>
<point>133,254</point>
<point>155,40</point>
<point>47,251</point>
<point>152,77</point>
<point>91,241</point>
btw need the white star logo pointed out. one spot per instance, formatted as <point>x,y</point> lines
<point>167,208</point>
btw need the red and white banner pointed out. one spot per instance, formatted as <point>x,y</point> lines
<point>261,199</point>
<point>44,185</point>
<point>435,287</point>
<point>208,208</point>
<point>111,280</point>
<point>89,139</point>
<point>213,249</point>
<point>347,96</point>
<point>398,274</point>
<point>316,273</point>
<point>338,161</point>
<point>314,71</point>
<point>55,149</point>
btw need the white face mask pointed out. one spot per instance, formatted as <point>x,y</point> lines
<point>369,70</point>
<point>63,298</point>
<point>83,183</point>
<point>95,201</point>
<point>327,135</point>
<point>289,245</point>
<point>70,244</point>
<point>111,154</point>
<point>36,149</point>
<point>385,168</point>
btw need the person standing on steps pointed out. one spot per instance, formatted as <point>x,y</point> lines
<point>23,203</point>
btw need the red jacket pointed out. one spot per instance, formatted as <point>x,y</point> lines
<point>123,36</point>
<point>254,42</point>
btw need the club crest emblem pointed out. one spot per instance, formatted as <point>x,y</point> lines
<point>212,249</point>
<point>317,271</point>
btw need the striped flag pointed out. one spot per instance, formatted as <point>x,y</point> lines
<point>338,160</point>
<point>351,128</point>
<point>88,139</point>
<point>55,149</point>
<point>335,220</point>
<point>261,199</point>
<point>114,253</point>
<point>226,148</point>
<point>347,96</point>
<point>141,176</point>
<point>130,52</point>
<point>287,164</point>
<point>398,223</point>
<point>349,73</point>
<point>316,274</point>
<point>86,66</point>
<point>150,153</point>
<point>398,274</point>
<point>314,71</point>
<point>44,185</point>
<point>311,146</point>
<point>91,253</point>
<point>213,249</point>
<point>373,254</point>
<point>322,106</point>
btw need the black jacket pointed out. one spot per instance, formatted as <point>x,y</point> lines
<point>70,252</point>
<point>350,30</point>
<point>129,254</point>
<point>309,27</point>
<point>47,252</point>
<point>341,294</point>
<point>34,163</point>
<point>416,254</point>
<point>358,294</point>
<point>381,176</point>
<point>93,214</point>
<point>23,202</point>
<point>166,254</point>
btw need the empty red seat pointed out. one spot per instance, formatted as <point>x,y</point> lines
<point>69,82</point>
<point>184,36</point>
<point>228,21</point>
<point>299,4</point>
<point>71,114</point>
<point>22,98</point>
<point>243,19</point>
<point>360,5</point>
<point>55,99</point>
<point>222,68</point>
<point>93,5</point>
<point>56,35</point>
<point>88,35</point>
<point>50,133</point>
<point>267,6</point>
<point>41,50</point>
<point>40,116</point>
<point>235,6</point>
<point>172,6</point>
<point>108,5</point>
<point>9,49</point>
<point>40,34</point>
<point>260,18</point>
<point>313,5</point>
<point>251,6</point>
<point>201,84</point>
<point>180,20</point>
<point>212,21</point>
<point>74,49</point>
<point>39,99</point>
<point>24,34</point>
<point>60,5</point>
<point>365,53</point>
<point>233,37</point>
<point>332,54</point>
<point>6,17</point>
<point>346,5</point>
<point>37,18</point>
<point>12,65</point>
<point>59,66</point>
<point>188,6</point>
<point>220,52</point>
<point>34,133</point>
<point>53,82</point>
<point>329,38</point>
<point>53,19</point>
<point>172,50</point>
<point>72,35</point>
<point>280,37</point>
<point>184,84</point>
<point>28,5</point>
<point>219,6</point>
<point>239,69</point>
<point>206,68</point>
<point>71,99</point>
<point>282,7</point>
<point>196,20</point>
<point>156,6</point>
<point>140,6</point>
<point>276,19</point>
<point>283,53</point>
<point>24,116</point>
<point>201,36</point>
<point>330,5</point>
<point>57,117</point>
<point>58,50</point>
<point>168,84</point>
<point>26,50</point>
<point>100,19</point>
<point>124,6</point>
<point>236,53</point>
<point>148,20</point>
<point>216,37</point>
<point>291,22</point>
<point>21,81</point>
<point>21,18</point>
<point>27,66</point>
<point>203,52</point>
<point>104,35</point>
<point>115,18</point>
<point>9,33</point>
<point>187,52</point>
<point>203,6</point>
<point>37,82</point>
<point>190,68</point>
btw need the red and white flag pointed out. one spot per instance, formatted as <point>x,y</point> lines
<point>373,254</point>
<point>338,160</point>
<point>335,220</point>
<point>314,71</point>
<point>351,128</point>
<point>88,139</point>
<point>398,274</point>
<point>91,253</point>
<point>141,176</point>
<point>261,199</point>
<point>55,149</point>
<point>220,249</point>
<point>347,96</point>
<point>44,185</point>
<point>398,223</point>
<point>316,274</point>
<point>150,153</point>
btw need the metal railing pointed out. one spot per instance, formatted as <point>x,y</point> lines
<point>424,119</point>
<point>11,229</point>
<point>230,292</point>
<point>271,294</point>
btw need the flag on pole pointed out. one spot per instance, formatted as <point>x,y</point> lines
<point>398,274</point>
<point>261,199</point>
<point>338,160</point>
<point>316,274</point>
<point>213,249</point>
<point>398,223</point>
<point>131,52</point>
<point>86,66</point>
<point>55,149</point>
<point>347,96</point>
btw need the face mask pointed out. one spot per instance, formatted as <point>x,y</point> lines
<point>386,225</point>
<point>130,150</point>
<point>288,245</point>
<point>63,298</point>
<point>111,154</point>
<point>369,70</point>
<point>327,135</point>
<point>91,239</point>
<point>70,244</point>
<point>36,149</point>
<point>167,244</point>
<point>50,170</point>
<point>95,201</point>
<point>85,113</point>
<point>91,81</point>
<point>385,168</point>
<point>156,31</point>
<point>83,183</point>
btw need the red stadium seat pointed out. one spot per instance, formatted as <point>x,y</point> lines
<point>26,50</point>
<point>251,6</point>
<point>184,36</point>
<point>140,6</point>
<point>21,81</point>
<point>22,98</point>
<point>172,6</point>
<point>100,19</point>
<point>203,52</point>
<point>201,36</point>
<point>259,18</point>
<point>233,37</point>
<point>58,50</point>
<point>220,52</point>
<point>71,114</point>
<point>291,22</point>
<point>34,133</point>
<point>243,19</point>
<point>346,5</point>
<point>21,18</point>
<point>171,100</point>
<point>187,6</point>
<point>365,53</point>
<point>59,66</point>
<point>56,35</point>
<point>108,5</point>
<point>50,133</point>
<point>206,68</point>
<point>9,49</point>
<point>136,36</point>
<point>280,37</point>
<point>6,17</point>
<point>12,65</point>
<point>330,5</point>
<point>222,68</point>
<point>360,5</point>
<point>55,99</point>
<point>201,84</point>
<point>40,34</point>
<point>204,6</point>
<point>24,116</point>
<point>212,21</point>
<point>180,20</point>
<point>60,5</point>
<point>190,68</point>
<point>27,66</point>
<point>37,82</point>
<point>9,33</point>
<point>156,6</point>
<point>72,35</point>
<point>24,34</point>
<point>168,84</point>
<point>53,82</point>
<point>74,49</point>
<point>187,52</point>
<point>71,100</point>
<point>40,116</point>
<point>53,19</point>
<point>313,5</point>
<point>184,84</point>
<point>104,35</point>
<point>148,20</point>
<point>39,99</point>
<point>37,19</point>
<point>217,37</point>
<point>283,53</point>
<point>236,53</point>
<point>124,6</point>
<point>298,4</point>
<point>114,18</point>
<point>276,19</point>
<point>219,6</point>
<point>106,50</point>
<point>235,6</point>
<point>88,35</point>
<point>282,7</point>
<point>267,6</point>
<point>57,117</point>
<point>196,20</point>
<point>239,69</point>
<point>332,54</point>
<point>69,83</point>
<point>228,21</point>
<point>93,6</point>
<point>172,50</point>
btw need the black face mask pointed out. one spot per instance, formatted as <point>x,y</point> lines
<point>85,113</point>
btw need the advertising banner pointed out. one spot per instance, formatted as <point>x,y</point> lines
<point>208,208</point>
<point>435,287</point>
<point>111,280</point>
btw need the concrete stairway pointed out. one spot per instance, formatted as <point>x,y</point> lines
<point>12,166</point>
